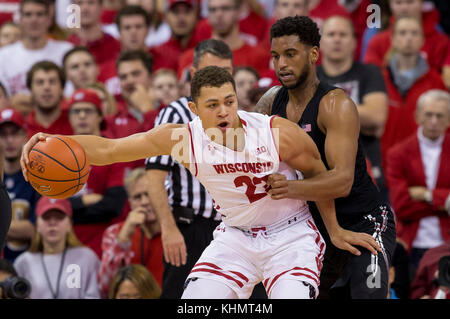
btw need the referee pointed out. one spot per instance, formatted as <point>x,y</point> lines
<point>186,210</point>
<point>5,206</point>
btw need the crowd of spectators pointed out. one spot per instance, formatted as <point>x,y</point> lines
<point>109,67</point>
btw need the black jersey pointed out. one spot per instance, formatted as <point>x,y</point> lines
<point>364,196</point>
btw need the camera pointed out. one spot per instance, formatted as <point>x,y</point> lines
<point>444,271</point>
<point>15,288</point>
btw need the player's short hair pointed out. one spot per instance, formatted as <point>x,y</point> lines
<point>45,66</point>
<point>217,48</point>
<point>76,50</point>
<point>301,26</point>
<point>133,55</point>
<point>210,76</point>
<point>44,3</point>
<point>132,11</point>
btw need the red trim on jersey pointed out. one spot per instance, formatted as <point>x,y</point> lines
<point>216,272</point>
<point>276,146</point>
<point>193,151</point>
<point>315,278</point>
<point>208,264</point>
<point>240,275</point>
<point>321,246</point>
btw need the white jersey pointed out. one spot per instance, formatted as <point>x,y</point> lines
<point>236,180</point>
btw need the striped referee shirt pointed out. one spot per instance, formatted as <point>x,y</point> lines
<point>183,189</point>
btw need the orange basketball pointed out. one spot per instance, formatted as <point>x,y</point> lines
<point>58,167</point>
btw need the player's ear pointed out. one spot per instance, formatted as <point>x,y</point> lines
<point>193,107</point>
<point>314,54</point>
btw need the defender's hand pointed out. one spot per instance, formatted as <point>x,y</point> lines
<point>24,159</point>
<point>346,240</point>
<point>279,187</point>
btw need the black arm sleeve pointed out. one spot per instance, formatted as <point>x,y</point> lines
<point>5,214</point>
<point>109,207</point>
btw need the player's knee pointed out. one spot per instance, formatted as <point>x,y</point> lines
<point>293,289</point>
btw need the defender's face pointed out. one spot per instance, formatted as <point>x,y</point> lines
<point>291,60</point>
<point>217,108</point>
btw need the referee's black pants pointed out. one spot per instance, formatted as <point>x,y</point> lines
<point>197,237</point>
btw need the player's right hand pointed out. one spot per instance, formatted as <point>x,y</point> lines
<point>174,246</point>
<point>24,159</point>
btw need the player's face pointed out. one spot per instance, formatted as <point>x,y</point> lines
<point>132,73</point>
<point>53,226</point>
<point>133,32</point>
<point>292,60</point>
<point>12,138</point>
<point>181,19</point>
<point>407,37</point>
<point>337,42</point>
<point>217,108</point>
<point>34,20</point>
<point>46,89</point>
<point>139,197</point>
<point>434,117</point>
<point>85,118</point>
<point>291,8</point>
<point>81,69</point>
<point>209,59</point>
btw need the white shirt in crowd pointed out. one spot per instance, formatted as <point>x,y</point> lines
<point>78,274</point>
<point>429,232</point>
<point>17,61</point>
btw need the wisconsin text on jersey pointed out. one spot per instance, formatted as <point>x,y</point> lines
<point>254,168</point>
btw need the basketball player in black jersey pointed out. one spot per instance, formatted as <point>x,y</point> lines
<point>330,117</point>
<point>5,206</point>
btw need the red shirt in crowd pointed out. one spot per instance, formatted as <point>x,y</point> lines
<point>101,178</point>
<point>400,122</point>
<point>60,126</point>
<point>140,250</point>
<point>434,49</point>
<point>103,49</point>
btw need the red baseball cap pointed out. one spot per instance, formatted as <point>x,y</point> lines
<point>190,3</point>
<point>85,95</point>
<point>10,115</point>
<point>45,204</point>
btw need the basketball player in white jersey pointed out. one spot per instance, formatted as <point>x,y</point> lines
<point>232,153</point>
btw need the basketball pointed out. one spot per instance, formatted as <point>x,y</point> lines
<point>58,167</point>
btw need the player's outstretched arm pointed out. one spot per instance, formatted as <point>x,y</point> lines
<point>298,150</point>
<point>104,151</point>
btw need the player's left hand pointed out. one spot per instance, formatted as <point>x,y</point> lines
<point>279,187</point>
<point>24,159</point>
<point>346,240</point>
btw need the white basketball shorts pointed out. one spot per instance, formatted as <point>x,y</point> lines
<point>291,249</point>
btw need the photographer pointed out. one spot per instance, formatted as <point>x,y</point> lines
<point>432,276</point>
<point>12,286</point>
